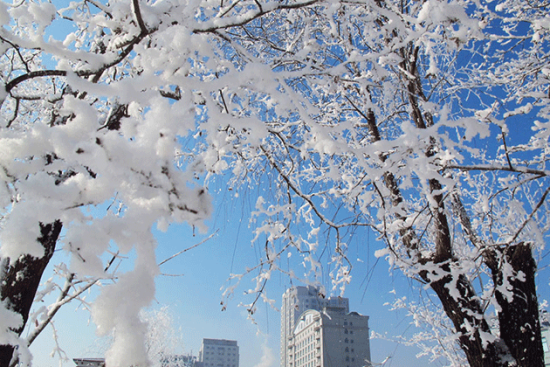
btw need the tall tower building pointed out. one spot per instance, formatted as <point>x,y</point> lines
<point>296,300</point>
<point>330,338</point>
<point>219,353</point>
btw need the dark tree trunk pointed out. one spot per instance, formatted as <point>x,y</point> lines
<point>21,280</point>
<point>515,291</point>
<point>519,316</point>
<point>466,313</point>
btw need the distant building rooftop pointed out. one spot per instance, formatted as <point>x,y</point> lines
<point>89,362</point>
<point>219,341</point>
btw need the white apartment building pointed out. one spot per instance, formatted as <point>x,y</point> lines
<point>329,338</point>
<point>219,353</point>
<point>296,300</point>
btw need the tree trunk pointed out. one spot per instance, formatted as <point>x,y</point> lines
<point>21,280</point>
<point>519,315</point>
<point>465,311</point>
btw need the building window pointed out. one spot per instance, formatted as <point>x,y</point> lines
<point>347,349</point>
<point>346,340</point>
<point>545,344</point>
<point>346,331</point>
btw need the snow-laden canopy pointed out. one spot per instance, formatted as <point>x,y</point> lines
<point>425,121</point>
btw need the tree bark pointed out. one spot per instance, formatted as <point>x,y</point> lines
<point>519,315</point>
<point>466,314</point>
<point>21,280</point>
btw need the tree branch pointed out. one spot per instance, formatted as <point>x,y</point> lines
<point>258,14</point>
<point>516,169</point>
<point>139,18</point>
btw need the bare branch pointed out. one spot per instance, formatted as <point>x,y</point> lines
<point>516,169</point>
<point>187,249</point>
<point>139,18</point>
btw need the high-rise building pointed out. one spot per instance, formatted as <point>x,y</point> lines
<point>296,300</point>
<point>329,338</point>
<point>219,353</point>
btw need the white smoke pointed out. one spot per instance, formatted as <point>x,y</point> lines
<point>268,358</point>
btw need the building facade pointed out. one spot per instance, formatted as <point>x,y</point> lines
<point>219,353</point>
<point>296,300</point>
<point>329,338</point>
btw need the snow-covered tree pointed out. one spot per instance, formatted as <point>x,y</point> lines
<point>98,101</point>
<point>425,121</point>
